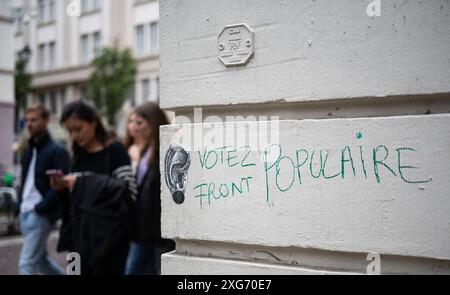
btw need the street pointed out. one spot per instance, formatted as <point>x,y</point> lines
<point>10,251</point>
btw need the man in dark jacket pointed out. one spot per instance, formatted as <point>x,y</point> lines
<point>39,204</point>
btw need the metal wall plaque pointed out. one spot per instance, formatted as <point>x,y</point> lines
<point>236,45</point>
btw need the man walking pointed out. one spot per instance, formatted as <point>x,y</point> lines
<point>38,202</point>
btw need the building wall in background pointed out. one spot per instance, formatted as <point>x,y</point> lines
<point>6,86</point>
<point>61,74</point>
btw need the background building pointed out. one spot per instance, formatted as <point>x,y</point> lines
<point>63,46</point>
<point>6,86</point>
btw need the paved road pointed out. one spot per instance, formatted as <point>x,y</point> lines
<point>10,251</point>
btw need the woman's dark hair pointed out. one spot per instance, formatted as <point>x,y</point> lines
<point>84,112</point>
<point>155,117</point>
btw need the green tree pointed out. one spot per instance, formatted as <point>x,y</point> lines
<point>111,81</point>
<point>22,82</point>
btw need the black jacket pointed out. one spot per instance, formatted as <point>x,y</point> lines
<point>50,155</point>
<point>148,209</point>
<point>97,223</point>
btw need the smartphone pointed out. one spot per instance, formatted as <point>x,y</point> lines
<point>55,173</point>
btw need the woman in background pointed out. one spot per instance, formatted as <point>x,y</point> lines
<point>134,142</point>
<point>145,251</point>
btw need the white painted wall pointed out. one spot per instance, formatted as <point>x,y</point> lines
<point>146,13</point>
<point>6,60</point>
<point>7,46</point>
<point>18,43</point>
<point>362,82</point>
<point>185,265</point>
<point>46,34</point>
<point>61,35</point>
<point>320,50</point>
<point>74,49</point>
<point>351,212</point>
<point>106,23</point>
<point>90,23</point>
<point>6,85</point>
<point>32,33</point>
<point>7,93</point>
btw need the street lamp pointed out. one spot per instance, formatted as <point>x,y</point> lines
<point>25,53</point>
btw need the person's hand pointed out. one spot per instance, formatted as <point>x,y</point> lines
<point>70,181</point>
<point>57,183</point>
<point>63,182</point>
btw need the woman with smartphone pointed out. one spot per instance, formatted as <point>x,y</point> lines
<point>100,193</point>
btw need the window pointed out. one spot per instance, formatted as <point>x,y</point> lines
<point>53,107</point>
<point>85,49</point>
<point>97,43</point>
<point>47,56</point>
<point>52,7</point>
<point>42,14</point>
<point>147,39</point>
<point>83,93</point>
<point>90,5</point>
<point>154,37</point>
<point>91,46</point>
<point>42,99</point>
<point>52,53</point>
<point>85,6</point>
<point>140,40</point>
<point>18,20</point>
<point>42,57</point>
<point>145,89</point>
<point>63,99</point>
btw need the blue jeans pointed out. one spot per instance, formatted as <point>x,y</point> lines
<point>34,258</point>
<point>143,259</point>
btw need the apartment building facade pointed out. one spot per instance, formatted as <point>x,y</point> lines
<point>63,44</point>
<point>6,86</point>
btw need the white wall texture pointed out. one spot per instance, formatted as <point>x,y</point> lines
<point>319,50</point>
<point>6,47</point>
<point>147,12</point>
<point>7,86</point>
<point>90,24</point>
<point>46,34</point>
<point>353,88</point>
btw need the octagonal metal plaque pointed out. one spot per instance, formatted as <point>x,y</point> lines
<point>236,45</point>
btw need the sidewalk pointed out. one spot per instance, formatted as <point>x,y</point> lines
<point>10,251</point>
